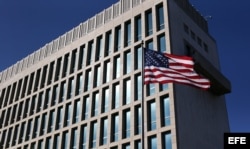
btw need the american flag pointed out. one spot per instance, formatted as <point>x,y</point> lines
<point>166,68</point>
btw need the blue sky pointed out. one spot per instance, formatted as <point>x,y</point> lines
<point>27,25</point>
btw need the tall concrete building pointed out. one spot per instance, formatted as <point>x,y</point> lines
<point>84,89</point>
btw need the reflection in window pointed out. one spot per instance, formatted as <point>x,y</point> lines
<point>138,87</point>
<point>138,58</point>
<point>105,100</point>
<point>68,115</point>
<point>162,43</point>
<point>117,67</point>
<point>99,48</point>
<point>65,140</point>
<point>85,109</point>
<point>95,104</point>
<point>106,75</point>
<point>167,143</point>
<point>77,108</point>
<point>127,91</point>
<point>84,137</point>
<point>108,46</point>
<point>118,38</point>
<point>116,96</point>
<point>93,135</point>
<point>128,62</point>
<point>127,40</point>
<point>97,77</point>
<point>160,17</point>
<point>166,111</point>
<point>152,115</point>
<point>152,142</point>
<point>104,133</point>
<point>149,23</point>
<point>74,138</point>
<point>138,29</point>
<point>126,125</point>
<point>115,128</point>
<point>138,120</point>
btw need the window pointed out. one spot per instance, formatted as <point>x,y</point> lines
<point>149,23</point>
<point>167,141</point>
<point>162,43</point>
<point>59,118</point>
<point>77,108</point>
<point>127,91</point>
<point>14,135</point>
<point>62,95</point>
<point>163,87</point>
<point>48,143</point>
<point>127,62</point>
<point>68,115</point>
<point>126,124</point>
<point>65,140</point>
<point>65,65</point>
<point>150,89</point>
<point>73,61</point>
<point>105,100</point>
<point>138,29</point>
<point>152,142</point>
<point>99,48</point>
<point>149,44</point>
<point>138,57</point>
<point>51,121</point>
<point>106,72</point>
<point>90,53</point>
<point>93,135</point>
<point>117,67</point>
<point>42,83</point>
<point>199,41</point>
<point>55,95</point>
<point>127,34</point>
<point>116,96</point>
<point>79,85</point>
<point>138,120</point>
<point>40,144</point>
<point>71,86</point>
<point>104,131</point>
<point>84,137</point>
<point>95,104</point>
<point>138,144</point>
<point>108,43</point>
<point>186,28</point>
<point>193,36</point>
<point>151,115</point>
<point>51,72</point>
<point>74,138</point>
<point>47,99</point>
<point>115,128</point>
<point>58,67</point>
<point>28,130</point>
<point>43,124</point>
<point>138,87</point>
<point>126,146</point>
<point>21,132</point>
<point>81,57</point>
<point>56,141</point>
<point>36,126</point>
<point>160,17</point>
<point>97,77</point>
<point>165,111</point>
<point>8,137</point>
<point>32,106</point>
<point>118,38</point>
<point>85,109</point>
<point>39,103</point>
<point>88,80</point>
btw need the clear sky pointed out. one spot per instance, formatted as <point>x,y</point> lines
<point>27,25</point>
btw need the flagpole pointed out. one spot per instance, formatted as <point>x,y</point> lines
<point>142,102</point>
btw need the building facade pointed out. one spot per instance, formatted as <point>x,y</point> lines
<point>84,89</point>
